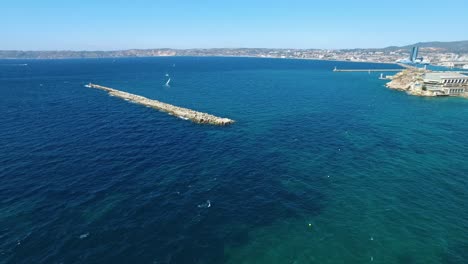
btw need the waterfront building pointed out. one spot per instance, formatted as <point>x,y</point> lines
<point>446,83</point>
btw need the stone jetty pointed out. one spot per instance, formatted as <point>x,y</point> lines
<point>184,113</point>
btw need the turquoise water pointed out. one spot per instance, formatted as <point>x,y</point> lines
<point>320,167</point>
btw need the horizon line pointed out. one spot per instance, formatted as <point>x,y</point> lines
<point>211,48</point>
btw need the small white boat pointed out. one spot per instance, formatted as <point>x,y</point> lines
<point>168,81</point>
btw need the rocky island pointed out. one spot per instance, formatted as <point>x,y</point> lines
<point>183,113</point>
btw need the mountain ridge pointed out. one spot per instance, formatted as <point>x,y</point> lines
<point>460,46</point>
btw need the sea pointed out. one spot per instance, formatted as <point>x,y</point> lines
<point>319,167</point>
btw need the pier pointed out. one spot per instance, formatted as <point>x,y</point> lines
<point>403,67</point>
<point>367,70</point>
<point>183,113</point>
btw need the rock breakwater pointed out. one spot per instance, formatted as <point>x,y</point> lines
<point>184,113</point>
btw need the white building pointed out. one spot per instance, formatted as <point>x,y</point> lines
<point>446,83</point>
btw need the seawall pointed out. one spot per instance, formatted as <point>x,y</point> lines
<point>184,113</point>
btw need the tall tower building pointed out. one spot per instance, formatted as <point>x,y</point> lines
<point>414,54</point>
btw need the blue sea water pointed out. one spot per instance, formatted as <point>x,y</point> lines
<point>320,166</point>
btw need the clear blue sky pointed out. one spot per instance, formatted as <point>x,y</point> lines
<point>117,24</point>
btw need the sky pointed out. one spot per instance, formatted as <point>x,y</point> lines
<point>325,24</point>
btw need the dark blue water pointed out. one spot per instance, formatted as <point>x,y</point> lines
<point>320,167</point>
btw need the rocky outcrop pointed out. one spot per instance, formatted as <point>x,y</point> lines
<point>404,80</point>
<point>184,113</point>
<point>410,81</point>
<point>420,93</point>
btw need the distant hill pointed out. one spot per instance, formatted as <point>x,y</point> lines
<point>452,46</point>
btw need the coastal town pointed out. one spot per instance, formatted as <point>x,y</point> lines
<point>450,58</point>
<point>415,77</point>
<point>421,81</point>
<point>447,54</point>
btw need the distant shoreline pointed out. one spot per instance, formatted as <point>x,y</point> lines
<point>316,59</point>
<point>199,56</point>
<point>439,53</point>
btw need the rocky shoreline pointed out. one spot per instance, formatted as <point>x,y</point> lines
<point>183,113</point>
<point>405,81</point>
